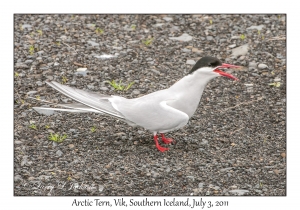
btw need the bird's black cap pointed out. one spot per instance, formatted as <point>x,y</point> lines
<point>206,61</point>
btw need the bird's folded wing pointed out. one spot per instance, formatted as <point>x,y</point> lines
<point>92,100</point>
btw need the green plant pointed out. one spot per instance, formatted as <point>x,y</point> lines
<point>57,43</point>
<point>210,21</point>
<point>275,84</point>
<point>93,129</point>
<point>56,137</point>
<point>16,74</point>
<point>47,126</point>
<point>243,36</point>
<point>64,80</point>
<point>40,32</point>
<point>33,126</point>
<point>38,98</point>
<point>120,86</point>
<point>258,32</point>
<point>133,27</point>
<point>31,49</point>
<point>99,31</point>
<point>69,178</point>
<point>147,42</point>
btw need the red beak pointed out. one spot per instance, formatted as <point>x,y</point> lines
<point>224,74</point>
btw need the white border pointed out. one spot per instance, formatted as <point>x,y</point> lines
<point>8,8</point>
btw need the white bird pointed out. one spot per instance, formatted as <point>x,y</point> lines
<point>159,112</point>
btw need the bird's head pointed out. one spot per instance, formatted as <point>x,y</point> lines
<point>211,67</point>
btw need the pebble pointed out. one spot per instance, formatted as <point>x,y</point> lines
<point>242,50</point>
<point>104,88</point>
<point>190,62</point>
<point>39,83</point>
<point>168,19</point>
<point>31,92</point>
<point>59,153</point>
<point>94,44</point>
<point>184,37</point>
<point>259,28</point>
<point>262,66</point>
<point>136,92</point>
<point>239,192</point>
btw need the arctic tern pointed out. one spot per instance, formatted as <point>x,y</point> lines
<point>159,112</point>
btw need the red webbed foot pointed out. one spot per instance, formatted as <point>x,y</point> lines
<point>160,148</point>
<point>167,140</point>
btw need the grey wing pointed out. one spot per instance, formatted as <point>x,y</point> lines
<point>92,100</point>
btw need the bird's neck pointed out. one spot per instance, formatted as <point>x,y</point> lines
<point>195,82</point>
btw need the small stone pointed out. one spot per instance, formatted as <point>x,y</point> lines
<point>232,46</point>
<point>242,50</point>
<point>283,155</point>
<point>71,146</point>
<point>59,153</point>
<point>190,62</point>
<point>91,87</point>
<point>200,185</point>
<point>104,88</point>
<point>239,192</point>
<point>155,71</point>
<point>252,64</point>
<point>28,61</point>
<point>196,50</point>
<point>277,79</point>
<point>262,66</point>
<point>209,38</point>
<point>31,92</point>
<point>184,37</point>
<point>101,188</point>
<point>186,50</point>
<point>259,28</point>
<point>136,92</point>
<point>81,69</point>
<point>39,83</point>
<point>167,19</point>
<point>94,44</point>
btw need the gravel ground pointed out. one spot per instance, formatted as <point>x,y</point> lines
<point>235,144</point>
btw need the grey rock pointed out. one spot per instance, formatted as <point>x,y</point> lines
<point>59,153</point>
<point>252,64</point>
<point>259,28</point>
<point>101,188</point>
<point>136,92</point>
<point>155,71</point>
<point>104,88</point>
<point>43,111</point>
<point>18,178</point>
<point>186,50</point>
<point>39,83</point>
<point>232,46</point>
<point>91,87</point>
<point>31,92</point>
<point>184,37</point>
<point>28,61</point>
<point>242,50</point>
<point>190,62</point>
<point>200,185</point>
<point>168,19</point>
<point>262,66</point>
<point>27,26</point>
<point>94,44</point>
<point>209,38</point>
<point>239,192</point>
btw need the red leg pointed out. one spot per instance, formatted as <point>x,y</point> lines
<point>160,148</point>
<point>166,140</point>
